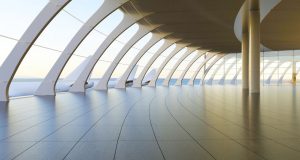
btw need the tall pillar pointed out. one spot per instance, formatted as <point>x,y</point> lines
<point>245,60</point>
<point>254,46</point>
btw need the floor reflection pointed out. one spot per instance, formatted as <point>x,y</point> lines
<point>211,122</point>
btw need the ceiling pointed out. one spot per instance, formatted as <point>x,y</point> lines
<point>280,28</point>
<point>207,24</point>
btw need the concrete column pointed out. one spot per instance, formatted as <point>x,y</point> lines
<point>254,46</point>
<point>245,60</point>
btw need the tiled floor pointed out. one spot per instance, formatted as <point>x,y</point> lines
<point>211,122</point>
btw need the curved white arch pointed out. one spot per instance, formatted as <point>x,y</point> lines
<point>47,87</point>
<point>14,59</point>
<point>283,74</point>
<point>219,56</point>
<point>222,80</point>
<point>234,79</point>
<point>128,20</point>
<point>179,80</point>
<point>266,66</point>
<point>154,39</point>
<point>268,81</point>
<point>187,53</point>
<point>167,59</point>
<point>138,81</point>
<point>209,56</point>
<point>142,31</point>
<point>211,79</point>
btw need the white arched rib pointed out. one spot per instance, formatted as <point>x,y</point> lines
<point>154,39</point>
<point>280,80</point>
<point>268,81</point>
<point>142,31</point>
<point>209,56</point>
<point>14,59</point>
<point>211,79</point>
<point>167,59</point>
<point>138,82</point>
<point>128,20</point>
<point>47,87</point>
<point>179,80</point>
<point>222,80</point>
<point>219,56</point>
<point>186,54</point>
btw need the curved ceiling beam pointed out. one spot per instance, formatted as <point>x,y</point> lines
<point>209,56</point>
<point>219,56</point>
<point>47,87</point>
<point>215,20</point>
<point>166,60</point>
<point>168,43</point>
<point>14,59</point>
<point>154,39</point>
<point>186,54</point>
<point>127,21</point>
<point>186,69</point>
<point>265,8</point>
<point>142,31</point>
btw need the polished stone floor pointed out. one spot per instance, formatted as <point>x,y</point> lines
<point>176,123</point>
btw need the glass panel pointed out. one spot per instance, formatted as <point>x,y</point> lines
<point>147,56</point>
<point>161,58</point>
<point>12,14</point>
<point>86,9</point>
<point>16,12</point>
<point>92,42</point>
<point>213,69</point>
<point>37,63</point>
<point>74,61</point>
<point>130,55</point>
<point>95,38</point>
<point>7,44</point>
<point>174,59</point>
<point>53,39</point>
<point>113,50</point>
